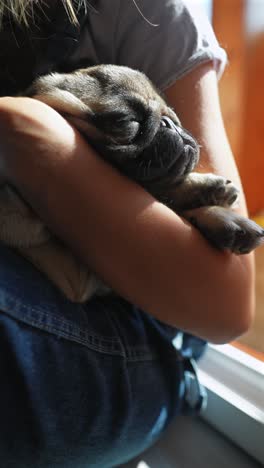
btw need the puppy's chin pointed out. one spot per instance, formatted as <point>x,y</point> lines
<point>172,154</point>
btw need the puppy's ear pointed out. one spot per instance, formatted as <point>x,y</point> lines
<point>51,90</point>
<point>63,102</point>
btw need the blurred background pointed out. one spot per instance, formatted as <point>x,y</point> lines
<point>239,27</point>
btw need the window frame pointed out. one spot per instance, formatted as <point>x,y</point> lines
<point>235,384</point>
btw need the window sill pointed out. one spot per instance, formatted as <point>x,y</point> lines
<point>235,385</point>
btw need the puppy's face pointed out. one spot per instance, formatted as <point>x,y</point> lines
<point>124,118</point>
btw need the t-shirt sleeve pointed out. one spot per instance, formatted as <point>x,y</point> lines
<point>165,39</point>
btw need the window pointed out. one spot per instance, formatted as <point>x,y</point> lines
<point>235,385</point>
<point>239,26</point>
<point>234,374</point>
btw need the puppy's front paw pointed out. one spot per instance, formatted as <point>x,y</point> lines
<point>197,190</point>
<point>225,229</point>
<point>219,191</point>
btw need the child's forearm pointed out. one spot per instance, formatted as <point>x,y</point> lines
<point>137,245</point>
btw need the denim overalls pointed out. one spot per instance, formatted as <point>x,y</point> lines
<point>89,385</point>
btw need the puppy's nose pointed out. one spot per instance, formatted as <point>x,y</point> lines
<point>168,123</point>
<point>182,136</point>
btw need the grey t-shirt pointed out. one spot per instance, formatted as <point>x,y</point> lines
<point>165,41</point>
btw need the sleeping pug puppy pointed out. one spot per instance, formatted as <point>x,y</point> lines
<point>123,117</point>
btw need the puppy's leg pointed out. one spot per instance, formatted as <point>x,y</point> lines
<point>203,190</point>
<point>204,199</point>
<point>225,229</point>
<point>65,271</point>
<point>20,228</point>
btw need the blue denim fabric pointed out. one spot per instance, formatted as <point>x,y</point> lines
<point>81,386</point>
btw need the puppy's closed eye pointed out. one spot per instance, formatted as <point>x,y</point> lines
<point>121,127</point>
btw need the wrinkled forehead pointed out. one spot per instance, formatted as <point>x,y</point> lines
<point>127,84</point>
<point>134,80</point>
<point>118,77</point>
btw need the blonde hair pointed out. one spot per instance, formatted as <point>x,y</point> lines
<point>22,10</point>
